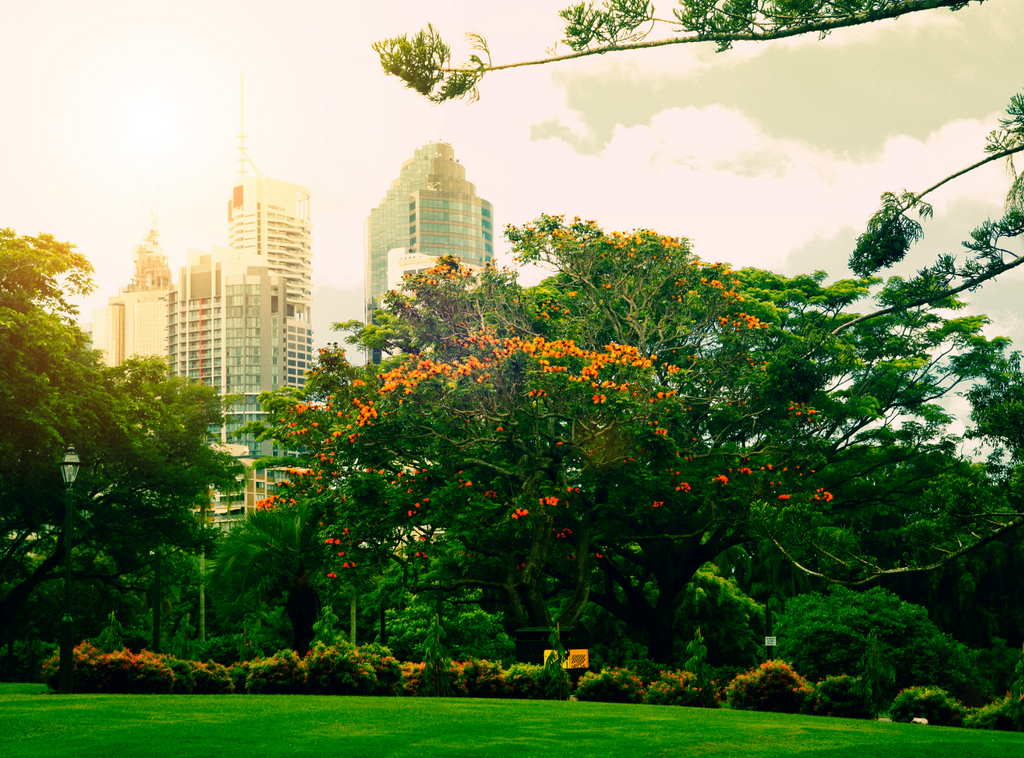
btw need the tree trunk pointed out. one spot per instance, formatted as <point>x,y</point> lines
<point>577,602</point>
<point>661,642</point>
<point>302,607</point>
<point>352,617</point>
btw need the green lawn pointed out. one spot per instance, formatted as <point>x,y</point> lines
<point>36,724</point>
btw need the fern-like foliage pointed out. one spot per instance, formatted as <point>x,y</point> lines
<point>889,235</point>
<point>423,60</point>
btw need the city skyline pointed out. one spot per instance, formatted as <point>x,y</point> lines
<point>769,155</point>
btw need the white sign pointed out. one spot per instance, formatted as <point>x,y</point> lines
<point>770,642</point>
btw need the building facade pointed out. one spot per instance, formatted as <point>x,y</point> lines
<point>240,318</point>
<point>272,220</point>
<point>430,210</point>
<point>133,323</point>
<point>228,327</point>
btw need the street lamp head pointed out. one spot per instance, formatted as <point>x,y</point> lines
<point>70,465</point>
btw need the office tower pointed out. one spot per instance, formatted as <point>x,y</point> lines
<point>133,323</point>
<point>430,210</point>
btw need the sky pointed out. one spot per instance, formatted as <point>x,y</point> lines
<point>771,155</point>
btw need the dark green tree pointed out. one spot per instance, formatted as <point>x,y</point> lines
<point>828,635</point>
<point>271,557</point>
<point>142,437</point>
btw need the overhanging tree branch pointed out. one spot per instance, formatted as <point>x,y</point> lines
<point>423,61</point>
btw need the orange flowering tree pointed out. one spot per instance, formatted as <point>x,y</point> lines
<point>612,429</point>
<point>538,435</point>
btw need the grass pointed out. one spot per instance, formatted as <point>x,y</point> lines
<point>36,724</point>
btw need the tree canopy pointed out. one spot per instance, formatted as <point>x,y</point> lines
<point>633,417</point>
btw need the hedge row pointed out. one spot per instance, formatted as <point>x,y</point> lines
<point>371,670</point>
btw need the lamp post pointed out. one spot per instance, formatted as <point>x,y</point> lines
<point>69,470</point>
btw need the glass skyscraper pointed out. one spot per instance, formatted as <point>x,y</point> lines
<point>430,210</point>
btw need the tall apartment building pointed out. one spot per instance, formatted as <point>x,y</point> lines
<point>272,220</point>
<point>430,210</point>
<point>239,318</point>
<point>133,323</point>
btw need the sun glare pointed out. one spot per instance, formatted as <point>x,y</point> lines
<point>143,115</point>
<point>146,123</point>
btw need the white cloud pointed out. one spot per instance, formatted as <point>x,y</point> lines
<point>714,175</point>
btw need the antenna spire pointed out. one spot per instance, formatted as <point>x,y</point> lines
<point>241,127</point>
<point>243,155</point>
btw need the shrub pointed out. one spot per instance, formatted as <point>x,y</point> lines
<point>841,696</point>
<point>525,681</point>
<point>679,688</point>
<point>722,675</point>
<point>932,703</point>
<point>386,671</point>
<point>645,668</point>
<point>414,683</point>
<point>412,678</point>
<point>773,686</point>
<point>239,672</point>
<point>281,674</point>
<point>613,685</point>
<point>211,679</point>
<point>84,659</point>
<point>484,679</point>
<point>120,672</point>
<point>184,679</point>
<point>127,673</point>
<point>826,635</point>
<point>338,670</point>
<point>1003,715</point>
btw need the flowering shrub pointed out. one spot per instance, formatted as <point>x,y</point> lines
<point>484,679</point>
<point>840,696</point>
<point>932,703</point>
<point>1003,715</point>
<point>525,681</point>
<point>386,671</point>
<point>679,688</point>
<point>140,673</point>
<point>773,686</point>
<point>84,659</point>
<point>281,674</point>
<point>338,670</point>
<point>184,679</point>
<point>414,683</point>
<point>613,685</point>
<point>121,672</point>
<point>211,678</point>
